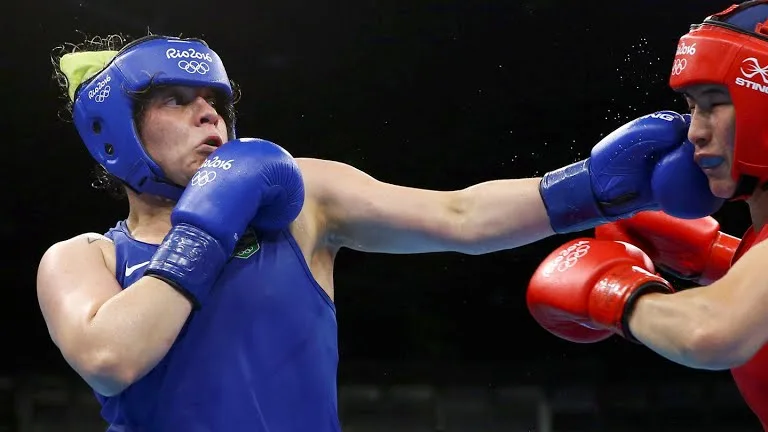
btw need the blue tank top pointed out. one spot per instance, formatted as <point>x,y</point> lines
<point>260,356</point>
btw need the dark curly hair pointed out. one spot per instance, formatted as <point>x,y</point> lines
<point>102,179</point>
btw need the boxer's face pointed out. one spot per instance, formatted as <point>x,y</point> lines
<point>179,128</point>
<point>713,121</point>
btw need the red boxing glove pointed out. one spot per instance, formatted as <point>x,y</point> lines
<point>584,291</point>
<point>691,249</point>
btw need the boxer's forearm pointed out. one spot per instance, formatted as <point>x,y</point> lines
<point>502,214</point>
<point>683,328</point>
<point>132,332</point>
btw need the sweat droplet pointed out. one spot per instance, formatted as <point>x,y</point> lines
<point>641,69</point>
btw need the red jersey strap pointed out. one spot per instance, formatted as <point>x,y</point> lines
<point>750,238</point>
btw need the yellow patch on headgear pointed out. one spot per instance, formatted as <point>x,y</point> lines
<point>80,66</point>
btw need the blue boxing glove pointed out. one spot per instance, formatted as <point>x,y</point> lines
<point>619,178</point>
<point>244,182</point>
<point>681,187</point>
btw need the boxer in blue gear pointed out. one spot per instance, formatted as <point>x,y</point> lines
<point>210,305</point>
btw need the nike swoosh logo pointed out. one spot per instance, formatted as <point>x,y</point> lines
<point>133,268</point>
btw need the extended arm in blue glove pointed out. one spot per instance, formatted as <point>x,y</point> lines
<point>647,164</point>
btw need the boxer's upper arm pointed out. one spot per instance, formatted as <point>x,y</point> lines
<point>738,304</point>
<point>362,213</point>
<point>73,281</point>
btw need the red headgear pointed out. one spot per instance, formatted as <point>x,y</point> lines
<point>731,48</point>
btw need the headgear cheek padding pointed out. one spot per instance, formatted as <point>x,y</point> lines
<point>104,101</point>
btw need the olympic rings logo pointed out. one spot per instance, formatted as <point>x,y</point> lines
<point>102,95</point>
<point>100,91</point>
<point>202,178</point>
<point>193,66</point>
<point>567,258</point>
<point>679,66</point>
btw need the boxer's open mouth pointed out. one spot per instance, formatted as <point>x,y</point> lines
<point>213,141</point>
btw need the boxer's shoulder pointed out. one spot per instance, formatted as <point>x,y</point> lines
<point>325,180</point>
<point>83,246</point>
<point>316,173</point>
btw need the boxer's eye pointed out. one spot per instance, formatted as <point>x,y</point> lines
<point>173,100</point>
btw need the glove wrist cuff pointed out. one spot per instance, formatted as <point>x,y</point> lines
<point>720,258</point>
<point>189,260</point>
<point>629,306</point>
<point>569,200</point>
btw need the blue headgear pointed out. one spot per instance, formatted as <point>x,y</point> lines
<point>747,15</point>
<point>103,105</point>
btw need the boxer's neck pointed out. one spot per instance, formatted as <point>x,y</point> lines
<point>149,217</point>
<point>758,208</point>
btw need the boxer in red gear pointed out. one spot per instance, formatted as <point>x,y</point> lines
<point>723,325</point>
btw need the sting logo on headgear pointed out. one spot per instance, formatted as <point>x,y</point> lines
<point>750,68</point>
<point>730,49</point>
<point>103,105</point>
<point>753,68</point>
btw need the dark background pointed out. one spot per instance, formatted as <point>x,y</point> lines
<point>431,94</point>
